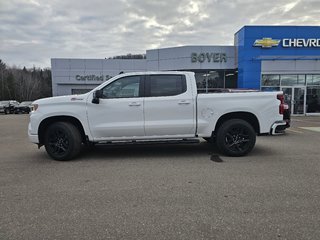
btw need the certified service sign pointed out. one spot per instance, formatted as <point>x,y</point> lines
<point>266,43</point>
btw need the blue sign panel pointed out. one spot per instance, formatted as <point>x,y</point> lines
<point>256,43</point>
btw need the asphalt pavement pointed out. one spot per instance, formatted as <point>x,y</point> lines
<point>162,191</point>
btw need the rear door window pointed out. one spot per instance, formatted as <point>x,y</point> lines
<point>166,85</point>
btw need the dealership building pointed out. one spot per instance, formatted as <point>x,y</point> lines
<point>267,58</point>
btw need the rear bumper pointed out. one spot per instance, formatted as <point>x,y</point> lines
<point>278,127</point>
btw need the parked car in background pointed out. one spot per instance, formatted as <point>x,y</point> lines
<point>2,105</point>
<point>24,107</point>
<point>9,106</point>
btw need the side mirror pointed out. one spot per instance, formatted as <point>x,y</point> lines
<point>96,96</point>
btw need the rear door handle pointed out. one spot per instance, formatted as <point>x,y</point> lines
<point>134,104</point>
<point>183,102</point>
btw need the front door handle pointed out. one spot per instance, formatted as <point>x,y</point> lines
<point>183,102</point>
<point>134,104</point>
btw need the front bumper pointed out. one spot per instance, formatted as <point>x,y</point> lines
<point>32,137</point>
<point>278,127</point>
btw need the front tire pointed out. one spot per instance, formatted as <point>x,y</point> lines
<point>62,141</point>
<point>236,138</point>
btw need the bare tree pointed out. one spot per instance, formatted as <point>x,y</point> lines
<point>24,84</point>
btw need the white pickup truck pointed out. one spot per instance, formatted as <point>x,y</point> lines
<point>154,106</point>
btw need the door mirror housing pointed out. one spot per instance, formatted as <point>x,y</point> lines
<point>96,96</point>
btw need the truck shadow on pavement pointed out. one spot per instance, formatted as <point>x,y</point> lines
<point>185,152</point>
<point>154,151</point>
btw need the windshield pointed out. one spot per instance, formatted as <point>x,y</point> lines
<point>25,103</point>
<point>3,103</point>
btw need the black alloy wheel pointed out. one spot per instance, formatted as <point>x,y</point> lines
<point>62,141</point>
<point>236,138</point>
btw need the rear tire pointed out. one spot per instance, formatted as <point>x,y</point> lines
<point>236,138</point>
<point>62,141</point>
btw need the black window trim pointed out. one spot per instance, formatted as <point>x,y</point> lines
<point>147,85</point>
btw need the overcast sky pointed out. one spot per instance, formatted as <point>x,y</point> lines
<point>33,31</point>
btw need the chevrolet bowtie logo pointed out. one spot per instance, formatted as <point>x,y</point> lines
<point>266,43</point>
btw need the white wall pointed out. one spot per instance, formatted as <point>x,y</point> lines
<point>179,58</point>
<point>65,72</point>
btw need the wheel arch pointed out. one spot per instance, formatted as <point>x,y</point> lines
<point>45,123</point>
<point>246,116</point>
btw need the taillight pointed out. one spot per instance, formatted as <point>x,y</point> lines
<point>282,104</point>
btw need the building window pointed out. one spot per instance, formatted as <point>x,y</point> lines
<point>291,85</point>
<point>208,80</point>
<point>231,77</point>
<point>288,80</point>
<point>313,99</point>
<point>292,79</point>
<point>313,79</point>
<point>301,79</point>
<point>274,81</point>
<point>270,80</point>
<point>270,89</point>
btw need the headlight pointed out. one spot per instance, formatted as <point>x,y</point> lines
<point>34,107</point>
